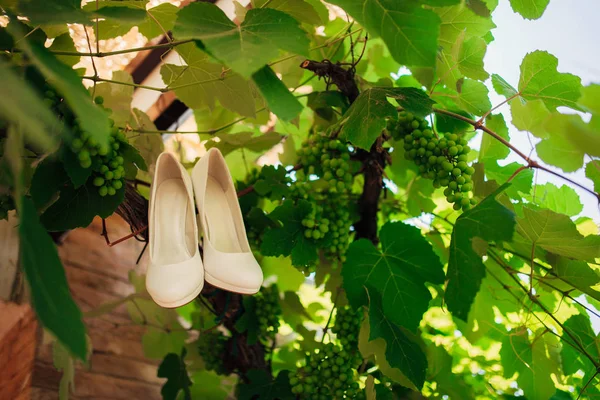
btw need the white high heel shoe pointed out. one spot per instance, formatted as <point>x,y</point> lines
<point>228,260</point>
<point>175,273</point>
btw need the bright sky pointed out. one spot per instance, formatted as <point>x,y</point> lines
<point>569,30</point>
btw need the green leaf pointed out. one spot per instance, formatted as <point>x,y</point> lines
<point>272,182</point>
<point>473,97</point>
<point>440,371</point>
<point>229,142</point>
<point>459,18</point>
<point>279,99</point>
<point>202,82</point>
<point>540,79</point>
<point>531,117</point>
<point>64,42</point>
<point>48,179</point>
<point>590,99</point>
<point>558,149</point>
<point>573,359</point>
<point>563,200</point>
<point>117,97</point>
<point>208,386</point>
<point>50,293</point>
<point>260,386</point>
<point>122,14</point>
<point>299,9</point>
<point>529,9</point>
<point>502,87</point>
<point>401,350</point>
<point>488,221</point>
<point>54,11</point>
<point>248,322</point>
<point>288,277</point>
<point>364,121</point>
<point>470,59</point>
<point>492,149</point>
<point>75,171</point>
<point>174,369</point>
<point>25,108</point>
<point>289,239</point>
<point>65,363</point>
<point>592,171</point>
<point>521,184</point>
<point>409,31</point>
<point>77,207</point>
<point>92,119</point>
<point>531,362</point>
<point>557,234</point>
<point>160,19</point>
<point>398,273</point>
<point>579,274</point>
<point>246,48</point>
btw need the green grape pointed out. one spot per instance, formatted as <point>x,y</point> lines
<point>211,346</point>
<point>268,311</point>
<point>99,100</point>
<point>103,191</point>
<point>98,181</point>
<point>347,327</point>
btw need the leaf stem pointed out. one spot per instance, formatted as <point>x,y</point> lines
<point>484,116</point>
<point>337,294</point>
<point>101,54</point>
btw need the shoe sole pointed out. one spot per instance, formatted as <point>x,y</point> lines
<point>226,286</point>
<point>182,302</point>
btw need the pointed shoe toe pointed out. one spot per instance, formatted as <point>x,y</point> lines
<point>228,260</point>
<point>175,273</point>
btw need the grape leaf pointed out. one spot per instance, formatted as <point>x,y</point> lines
<point>54,11</point>
<point>531,117</point>
<point>530,361</point>
<point>160,19</point>
<point>470,59</point>
<point>557,234</point>
<point>367,117</point>
<point>529,9</point>
<point>48,179</point>
<point>440,371</point>
<point>579,274</point>
<point>248,322</point>
<point>123,14</point>
<point>299,9</point>
<point>75,171</point>
<point>590,98</point>
<point>492,149</point>
<point>540,79</point>
<point>409,31</point>
<point>77,207</point>
<point>65,363</point>
<point>25,108</point>
<point>473,97</point>
<point>398,273</point>
<point>521,183</point>
<point>64,42</point>
<point>91,118</point>
<point>45,274</point>
<point>245,140</point>
<point>260,386</point>
<point>563,200</point>
<point>209,386</point>
<point>173,368</point>
<point>401,351</point>
<point>592,171</point>
<point>202,82</point>
<point>459,18</point>
<point>289,239</point>
<point>288,277</point>
<point>246,48</point>
<point>489,221</point>
<point>502,87</point>
<point>572,358</point>
<point>558,149</point>
<point>279,99</point>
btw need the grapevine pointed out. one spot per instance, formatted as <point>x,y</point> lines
<point>329,373</point>
<point>441,158</point>
<point>329,223</point>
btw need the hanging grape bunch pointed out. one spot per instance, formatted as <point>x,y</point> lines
<point>106,161</point>
<point>329,223</point>
<point>347,327</point>
<point>212,346</point>
<point>440,157</point>
<point>329,373</point>
<point>268,310</point>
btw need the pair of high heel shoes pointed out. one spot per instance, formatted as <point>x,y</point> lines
<point>176,271</point>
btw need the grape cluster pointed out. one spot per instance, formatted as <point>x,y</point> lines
<point>6,204</point>
<point>329,373</point>
<point>440,157</point>
<point>347,327</point>
<point>212,347</point>
<point>326,181</point>
<point>106,161</point>
<point>268,310</point>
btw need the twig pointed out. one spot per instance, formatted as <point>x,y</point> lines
<point>588,383</point>
<point>337,294</point>
<point>484,116</point>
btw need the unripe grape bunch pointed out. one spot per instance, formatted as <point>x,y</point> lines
<point>439,157</point>
<point>347,327</point>
<point>212,346</point>
<point>268,310</point>
<point>105,160</point>
<point>326,181</point>
<point>329,373</point>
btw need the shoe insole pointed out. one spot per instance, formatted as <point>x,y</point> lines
<point>220,225</point>
<point>170,210</point>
